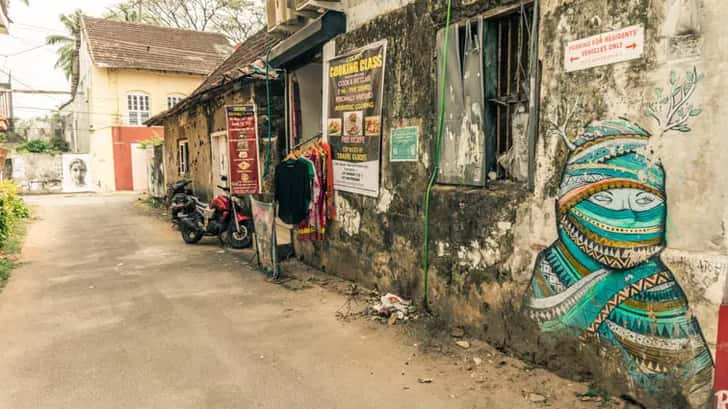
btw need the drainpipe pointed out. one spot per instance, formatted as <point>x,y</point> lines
<point>436,159</point>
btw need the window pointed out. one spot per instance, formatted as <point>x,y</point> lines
<point>173,100</point>
<point>486,102</point>
<point>183,158</point>
<point>138,108</point>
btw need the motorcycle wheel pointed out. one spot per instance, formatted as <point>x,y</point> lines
<point>190,236</point>
<point>239,239</point>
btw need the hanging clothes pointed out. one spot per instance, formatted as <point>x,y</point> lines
<point>292,190</point>
<point>313,227</point>
<point>310,208</point>
<point>329,174</point>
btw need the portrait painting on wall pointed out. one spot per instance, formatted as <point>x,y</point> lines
<point>77,173</point>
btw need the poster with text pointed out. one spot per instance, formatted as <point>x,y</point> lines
<point>76,173</point>
<point>354,120</point>
<point>242,129</point>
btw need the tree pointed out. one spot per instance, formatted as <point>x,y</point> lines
<point>237,19</point>
<point>69,47</point>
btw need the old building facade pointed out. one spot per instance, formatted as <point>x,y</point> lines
<point>195,141</point>
<point>577,216</point>
<point>128,73</point>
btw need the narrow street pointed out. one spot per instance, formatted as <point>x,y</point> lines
<point>110,309</point>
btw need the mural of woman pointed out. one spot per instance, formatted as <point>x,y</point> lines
<point>77,170</point>
<point>603,276</point>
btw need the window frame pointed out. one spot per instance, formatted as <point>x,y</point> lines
<point>135,102</point>
<point>183,157</point>
<point>176,98</point>
<point>494,73</point>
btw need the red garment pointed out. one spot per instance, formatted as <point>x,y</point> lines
<point>313,228</point>
<point>330,202</point>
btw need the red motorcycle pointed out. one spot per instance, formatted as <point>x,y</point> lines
<point>223,217</point>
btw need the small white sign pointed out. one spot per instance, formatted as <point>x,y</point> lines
<point>607,48</point>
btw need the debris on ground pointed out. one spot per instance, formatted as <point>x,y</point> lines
<point>463,344</point>
<point>393,308</point>
<point>424,380</point>
<point>536,398</point>
<point>477,361</point>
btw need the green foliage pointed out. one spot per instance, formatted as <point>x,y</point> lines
<point>36,146</point>
<point>149,143</point>
<point>59,144</point>
<point>68,45</point>
<point>597,394</point>
<point>12,209</point>
<point>236,19</point>
<point>153,202</point>
<point>56,145</point>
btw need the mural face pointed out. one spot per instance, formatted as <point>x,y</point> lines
<point>603,276</point>
<point>76,175</point>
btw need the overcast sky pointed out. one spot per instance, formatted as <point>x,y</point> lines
<point>34,69</point>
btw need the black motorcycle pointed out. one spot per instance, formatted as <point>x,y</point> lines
<point>223,217</point>
<point>177,198</point>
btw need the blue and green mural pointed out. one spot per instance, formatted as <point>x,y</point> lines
<point>603,277</point>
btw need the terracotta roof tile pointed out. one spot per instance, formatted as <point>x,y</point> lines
<point>115,44</point>
<point>244,62</point>
<point>248,52</point>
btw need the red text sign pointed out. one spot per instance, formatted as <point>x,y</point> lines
<point>607,48</point>
<point>242,128</point>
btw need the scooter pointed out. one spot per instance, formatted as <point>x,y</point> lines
<point>222,217</point>
<point>176,198</point>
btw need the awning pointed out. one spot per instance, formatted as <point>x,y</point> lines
<point>307,41</point>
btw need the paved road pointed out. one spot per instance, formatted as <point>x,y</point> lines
<point>111,310</point>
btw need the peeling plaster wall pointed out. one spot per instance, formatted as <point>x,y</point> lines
<point>205,118</point>
<point>484,242</point>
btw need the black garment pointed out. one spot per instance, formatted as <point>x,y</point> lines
<point>293,191</point>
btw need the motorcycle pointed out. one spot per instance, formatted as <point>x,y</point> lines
<point>176,198</point>
<point>222,217</point>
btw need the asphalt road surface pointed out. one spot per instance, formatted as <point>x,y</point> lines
<point>110,309</point>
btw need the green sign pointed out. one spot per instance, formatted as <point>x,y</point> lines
<point>404,143</point>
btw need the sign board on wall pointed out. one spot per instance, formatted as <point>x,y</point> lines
<point>354,120</point>
<point>242,129</point>
<point>404,144</point>
<point>607,48</point>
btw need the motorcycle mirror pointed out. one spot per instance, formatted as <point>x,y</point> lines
<point>224,178</point>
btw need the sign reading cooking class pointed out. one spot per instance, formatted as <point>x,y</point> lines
<point>242,132</point>
<point>354,120</point>
<point>607,48</point>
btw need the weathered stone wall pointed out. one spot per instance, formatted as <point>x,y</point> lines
<point>484,242</point>
<point>197,124</point>
<point>37,172</point>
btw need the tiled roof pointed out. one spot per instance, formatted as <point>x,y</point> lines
<point>248,60</point>
<point>247,53</point>
<point>114,44</point>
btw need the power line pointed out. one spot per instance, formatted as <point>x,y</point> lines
<point>30,86</point>
<point>27,108</point>
<point>24,51</point>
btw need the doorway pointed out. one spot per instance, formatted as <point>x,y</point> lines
<point>220,160</point>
